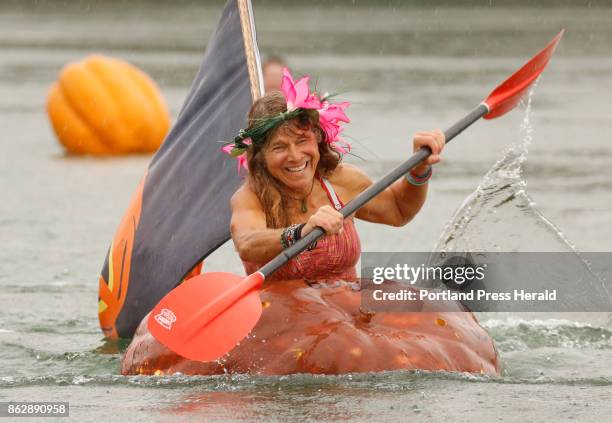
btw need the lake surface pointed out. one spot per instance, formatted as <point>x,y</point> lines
<point>405,67</point>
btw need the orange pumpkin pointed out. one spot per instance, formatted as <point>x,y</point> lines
<point>105,106</point>
<point>321,328</point>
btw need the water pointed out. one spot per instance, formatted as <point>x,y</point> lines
<point>488,218</point>
<point>405,67</point>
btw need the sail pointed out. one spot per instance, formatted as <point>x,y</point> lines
<point>180,211</point>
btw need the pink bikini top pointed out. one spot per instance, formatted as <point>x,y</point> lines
<point>334,257</point>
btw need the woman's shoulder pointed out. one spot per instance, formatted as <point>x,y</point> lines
<point>349,178</point>
<point>244,197</point>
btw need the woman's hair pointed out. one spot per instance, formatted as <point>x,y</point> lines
<point>264,185</point>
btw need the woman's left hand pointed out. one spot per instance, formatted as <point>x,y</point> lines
<point>432,139</point>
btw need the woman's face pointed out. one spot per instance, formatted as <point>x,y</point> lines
<point>291,156</point>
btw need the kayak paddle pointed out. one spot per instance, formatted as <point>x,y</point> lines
<point>207,315</point>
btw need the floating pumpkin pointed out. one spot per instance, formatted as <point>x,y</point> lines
<point>105,106</point>
<point>321,328</point>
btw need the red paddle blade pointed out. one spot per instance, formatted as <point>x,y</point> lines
<point>506,96</point>
<point>206,316</point>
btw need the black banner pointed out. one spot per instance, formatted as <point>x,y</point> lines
<point>180,213</point>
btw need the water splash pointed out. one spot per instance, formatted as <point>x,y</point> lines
<point>518,334</point>
<point>499,216</point>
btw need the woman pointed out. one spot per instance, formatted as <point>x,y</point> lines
<point>297,181</point>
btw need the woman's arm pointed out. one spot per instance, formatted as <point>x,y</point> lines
<point>400,202</point>
<point>253,240</point>
<point>256,242</point>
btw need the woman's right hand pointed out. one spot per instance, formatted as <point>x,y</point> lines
<point>328,218</point>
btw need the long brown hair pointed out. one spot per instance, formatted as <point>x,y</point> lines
<point>264,185</point>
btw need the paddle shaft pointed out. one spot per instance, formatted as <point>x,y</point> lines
<point>374,190</point>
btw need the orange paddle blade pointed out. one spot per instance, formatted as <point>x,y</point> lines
<point>506,96</point>
<point>207,315</point>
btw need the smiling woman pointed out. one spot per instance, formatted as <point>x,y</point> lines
<point>297,182</point>
<point>311,315</point>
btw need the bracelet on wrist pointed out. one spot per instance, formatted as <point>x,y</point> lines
<point>287,238</point>
<point>297,232</point>
<point>419,179</point>
<point>293,233</point>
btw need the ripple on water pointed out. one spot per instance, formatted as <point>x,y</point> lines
<point>517,334</point>
<point>383,381</point>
